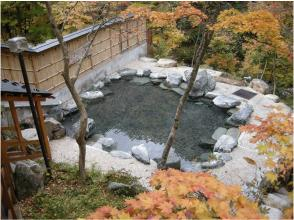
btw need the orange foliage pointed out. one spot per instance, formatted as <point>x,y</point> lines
<point>260,23</point>
<point>182,195</point>
<point>275,137</point>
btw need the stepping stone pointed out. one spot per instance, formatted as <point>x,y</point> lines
<point>213,164</point>
<point>218,133</point>
<point>225,144</point>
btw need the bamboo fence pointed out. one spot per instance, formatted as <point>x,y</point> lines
<point>45,67</point>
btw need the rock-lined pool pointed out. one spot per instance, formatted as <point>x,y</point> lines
<point>143,114</point>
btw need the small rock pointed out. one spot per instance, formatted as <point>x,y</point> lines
<point>184,86</point>
<point>69,107</point>
<point>54,129</point>
<point>234,133</point>
<point>143,72</point>
<point>173,80</point>
<point>28,178</point>
<point>114,76</point>
<point>213,164</point>
<point>193,167</point>
<point>29,134</point>
<point>163,86</point>
<point>148,59</point>
<point>108,144</point>
<point>92,95</point>
<point>225,144</point>
<point>278,201</point>
<point>121,188</point>
<point>120,154</point>
<point>259,86</point>
<point>140,153</point>
<point>27,122</point>
<point>273,213</point>
<point>226,101</point>
<point>156,82</point>
<point>232,111</point>
<point>140,81</point>
<point>89,128</point>
<point>212,94</point>
<point>127,72</point>
<point>273,97</point>
<point>93,139</point>
<point>207,143</point>
<point>218,133</point>
<point>223,156</point>
<point>173,161</point>
<point>98,85</point>
<point>240,117</point>
<point>166,63</point>
<point>158,75</point>
<point>214,73</point>
<point>206,157</point>
<point>178,91</point>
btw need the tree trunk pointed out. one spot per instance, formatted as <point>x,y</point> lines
<point>80,137</point>
<point>205,40</point>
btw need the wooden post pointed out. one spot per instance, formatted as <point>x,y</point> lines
<point>110,42</point>
<point>43,127</point>
<point>149,42</point>
<point>17,127</point>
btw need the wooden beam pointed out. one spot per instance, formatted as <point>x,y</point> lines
<point>43,128</point>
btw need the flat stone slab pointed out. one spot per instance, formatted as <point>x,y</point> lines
<point>140,81</point>
<point>179,91</point>
<point>148,59</point>
<point>226,101</point>
<point>234,133</point>
<point>218,133</point>
<point>120,154</point>
<point>166,63</point>
<point>92,95</point>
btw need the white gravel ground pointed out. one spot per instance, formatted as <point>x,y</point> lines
<point>66,150</point>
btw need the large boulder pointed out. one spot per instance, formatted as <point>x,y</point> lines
<point>173,80</point>
<point>226,101</point>
<point>92,95</point>
<point>140,153</point>
<point>158,75</point>
<point>225,144</point>
<point>89,128</point>
<point>204,83</point>
<point>240,117</point>
<point>69,107</point>
<point>273,97</point>
<point>259,86</point>
<point>28,178</point>
<point>54,129</point>
<point>166,63</point>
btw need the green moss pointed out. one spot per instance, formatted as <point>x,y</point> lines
<point>66,197</point>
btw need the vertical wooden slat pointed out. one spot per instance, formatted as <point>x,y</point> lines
<point>110,42</point>
<point>37,83</point>
<point>43,127</point>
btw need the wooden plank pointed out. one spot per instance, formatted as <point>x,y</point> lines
<point>26,157</point>
<point>20,98</point>
<point>43,128</point>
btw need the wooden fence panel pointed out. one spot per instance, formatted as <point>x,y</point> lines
<point>45,68</point>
